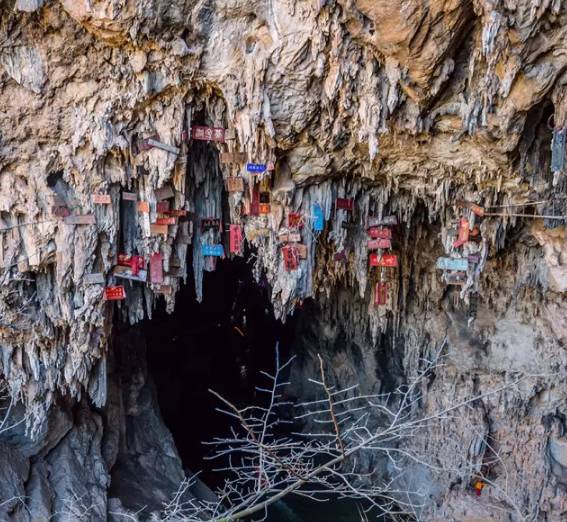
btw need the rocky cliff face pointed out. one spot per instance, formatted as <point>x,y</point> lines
<point>382,108</point>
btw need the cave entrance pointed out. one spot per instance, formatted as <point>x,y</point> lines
<point>221,343</point>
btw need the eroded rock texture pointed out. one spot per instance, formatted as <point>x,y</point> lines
<point>402,106</point>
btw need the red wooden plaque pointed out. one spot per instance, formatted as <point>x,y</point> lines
<point>166,221</point>
<point>295,220</point>
<point>114,293</point>
<point>385,260</point>
<point>344,204</point>
<point>208,133</point>
<point>380,233</point>
<point>143,207</point>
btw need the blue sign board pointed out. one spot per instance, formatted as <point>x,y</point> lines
<point>452,263</point>
<point>318,219</point>
<point>256,167</point>
<point>212,250</point>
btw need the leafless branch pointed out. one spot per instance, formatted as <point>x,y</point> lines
<point>265,466</point>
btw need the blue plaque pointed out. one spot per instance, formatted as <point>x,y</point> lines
<point>256,167</point>
<point>318,218</point>
<point>212,250</point>
<point>452,263</point>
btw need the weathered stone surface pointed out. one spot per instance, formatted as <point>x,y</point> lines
<point>403,106</point>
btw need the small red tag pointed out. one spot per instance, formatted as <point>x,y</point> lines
<point>380,233</point>
<point>344,204</point>
<point>114,293</point>
<point>295,220</point>
<point>166,221</point>
<point>385,260</point>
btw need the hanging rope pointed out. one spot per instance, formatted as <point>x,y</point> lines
<point>533,216</point>
<point>19,225</point>
<point>529,204</point>
<point>8,267</point>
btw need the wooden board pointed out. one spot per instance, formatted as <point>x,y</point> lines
<point>143,207</point>
<point>388,221</point>
<point>125,272</point>
<point>235,184</point>
<point>94,279</point>
<point>62,212</point>
<point>87,219</point>
<point>202,133</point>
<point>156,230</point>
<point>374,244</point>
<point>129,196</point>
<point>101,199</point>
<point>301,250</point>
<point>164,289</point>
<point>166,192</point>
<point>232,157</point>
<point>156,268</point>
<point>163,146</point>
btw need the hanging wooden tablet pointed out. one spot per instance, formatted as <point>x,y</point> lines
<point>235,184</point>
<point>166,192</point>
<point>156,268</point>
<point>385,260</point>
<point>101,199</point>
<point>114,293</point>
<point>87,219</point>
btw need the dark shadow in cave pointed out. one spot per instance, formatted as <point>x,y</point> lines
<point>222,343</point>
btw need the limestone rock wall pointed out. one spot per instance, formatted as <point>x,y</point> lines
<point>403,107</point>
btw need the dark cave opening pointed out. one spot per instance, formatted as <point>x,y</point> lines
<point>222,344</point>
